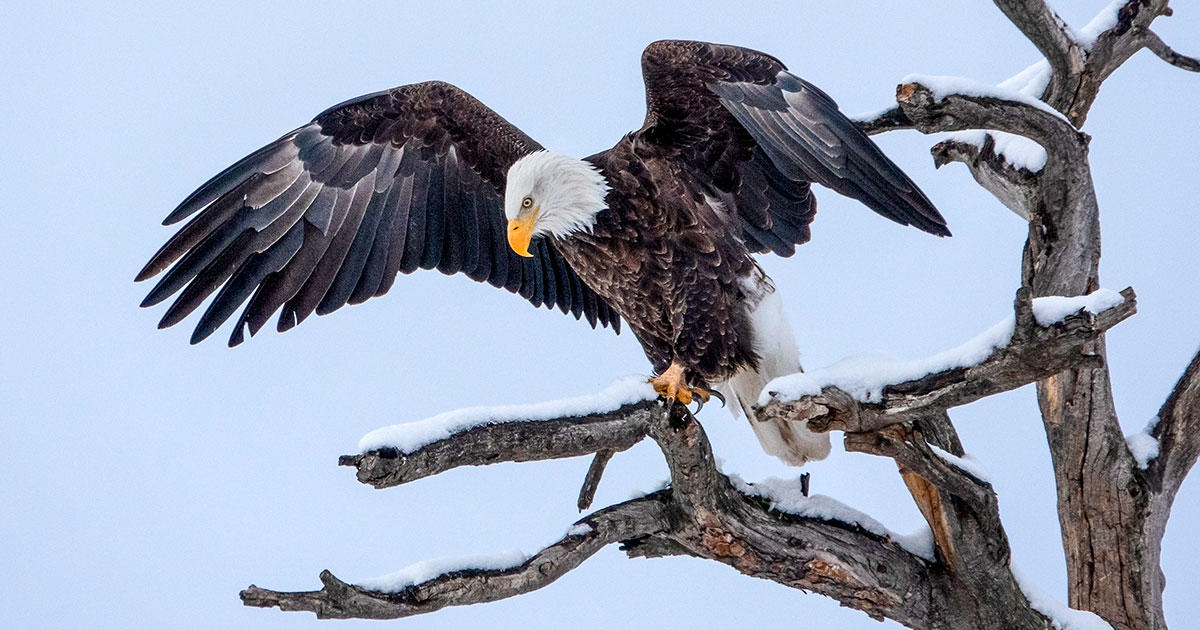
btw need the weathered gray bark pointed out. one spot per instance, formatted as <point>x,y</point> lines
<point>1112,513</point>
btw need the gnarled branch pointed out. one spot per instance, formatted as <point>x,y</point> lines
<point>1034,353</point>
<point>507,442</point>
<point>955,112</point>
<point>339,600</point>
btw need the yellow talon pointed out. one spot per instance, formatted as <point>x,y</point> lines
<point>672,386</point>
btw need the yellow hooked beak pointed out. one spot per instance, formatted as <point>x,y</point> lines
<point>520,232</point>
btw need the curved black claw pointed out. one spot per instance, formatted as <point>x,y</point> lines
<point>700,399</point>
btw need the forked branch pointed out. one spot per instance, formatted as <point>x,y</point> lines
<point>1178,435</point>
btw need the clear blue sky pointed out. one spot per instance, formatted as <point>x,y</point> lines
<point>145,482</point>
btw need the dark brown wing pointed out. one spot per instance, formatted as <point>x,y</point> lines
<point>762,135</point>
<point>330,213</point>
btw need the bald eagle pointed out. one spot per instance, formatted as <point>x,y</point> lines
<point>660,230</point>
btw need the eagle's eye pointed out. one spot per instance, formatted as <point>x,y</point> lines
<point>527,202</point>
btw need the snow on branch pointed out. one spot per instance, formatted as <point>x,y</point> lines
<point>429,588</point>
<point>611,420</point>
<point>1043,337</point>
<point>936,104</point>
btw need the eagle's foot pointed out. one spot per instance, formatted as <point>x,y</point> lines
<point>672,385</point>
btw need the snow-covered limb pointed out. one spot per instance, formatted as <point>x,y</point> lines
<point>513,440</point>
<point>888,119</point>
<point>1049,337</point>
<point>458,586</point>
<point>936,107</point>
<point>410,436</point>
<point>786,495</point>
<point>1082,58</point>
<point>943,87</point>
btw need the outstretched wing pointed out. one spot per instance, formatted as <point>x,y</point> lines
<point>762,135</point>
<point>330,213</point>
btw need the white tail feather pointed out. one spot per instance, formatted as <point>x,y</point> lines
<point>791,442</point>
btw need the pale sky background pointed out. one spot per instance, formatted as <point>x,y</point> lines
<point>145,482</point>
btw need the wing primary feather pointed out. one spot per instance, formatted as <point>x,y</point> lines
<point>577,290</point>
<point>244,281</point>
<point>531,281</point>
<point>209,278</point>
<point>199,228</point>
<point>504,264</point>
<point>435,214</point>
<point>477,262</point>
<point>267,159</point>
<point>280,287</point>
<point>403,208</point>
<point>352,265</point>
<point>320,211</point>
<point>549,283</point>
<point>196,260</point>
<point>414,239</point>
<point>590,308</point>
<point>562,283</point>
<point>301,305</point>
<point>453,237</point>
<point>373,269</point>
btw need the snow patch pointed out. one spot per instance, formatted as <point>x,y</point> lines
<point>579,529</point>
<point>1104,20</point>
<point>1143,445</point>
<point>1031,81</point>
<point>410,436</point>
<point>428,569</point>
<point>785,495</point>
<point>865,376</point>
<point>863,117</point>
<point>1019,151</point>
<point>966,463</point>
<point>1051,310</point>
<point>1060,615</point>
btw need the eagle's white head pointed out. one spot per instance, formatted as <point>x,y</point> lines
<point>550,193</point>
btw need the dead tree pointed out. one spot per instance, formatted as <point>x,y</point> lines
<point>1112,507</point>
